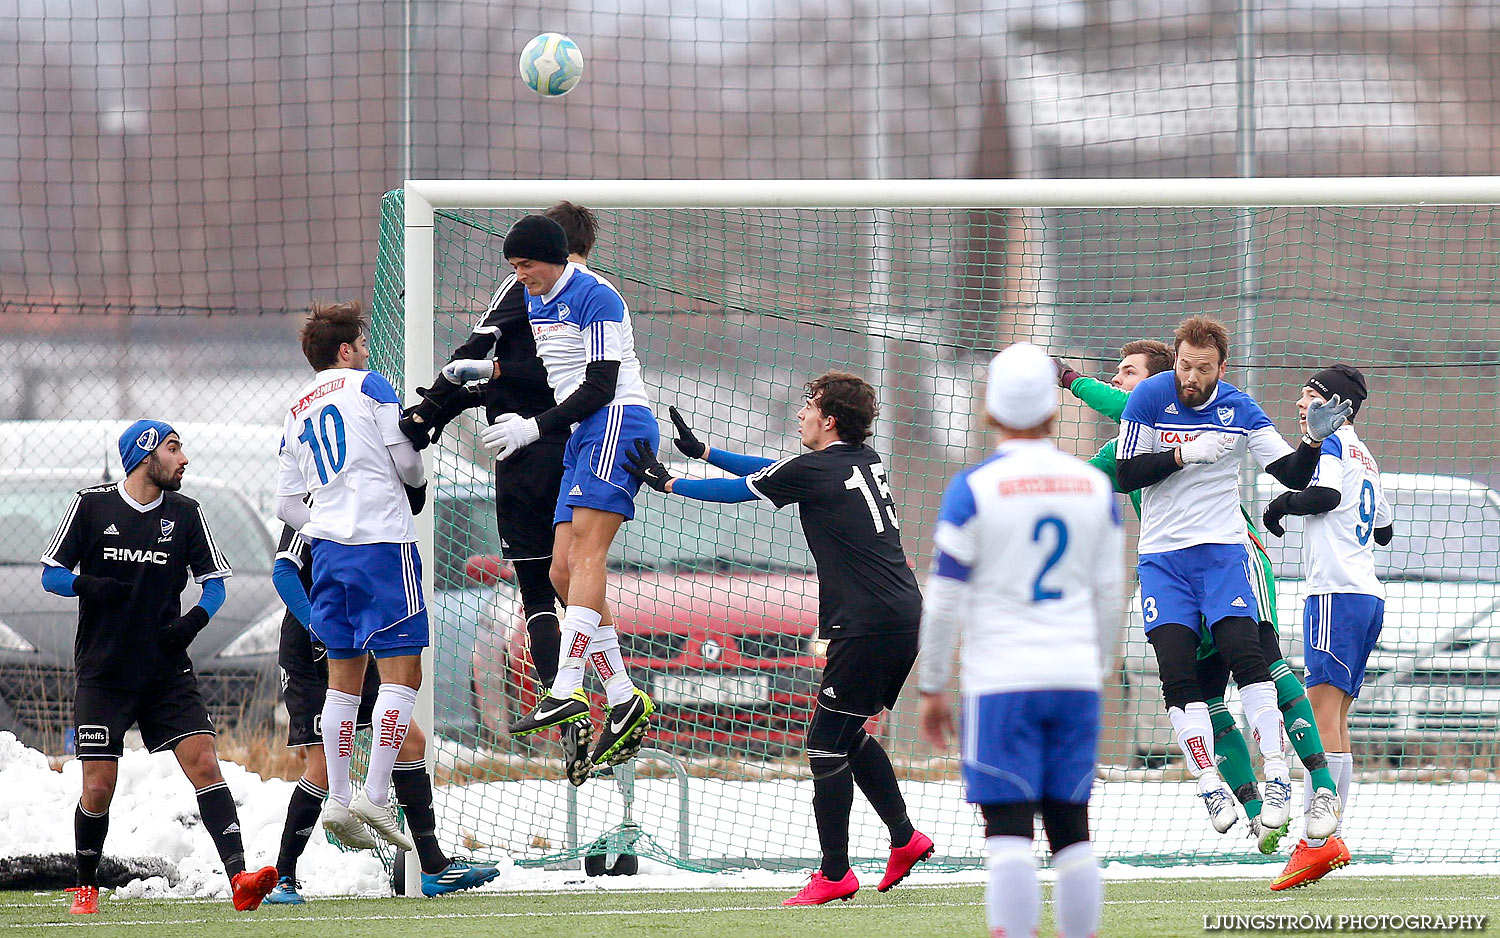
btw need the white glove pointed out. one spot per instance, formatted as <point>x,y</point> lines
<point>465,370</point>
<point>1207,447</point>
<point>509,433</point>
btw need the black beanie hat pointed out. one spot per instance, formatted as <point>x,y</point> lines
<point>537,238</point>
<point>1344,380</point>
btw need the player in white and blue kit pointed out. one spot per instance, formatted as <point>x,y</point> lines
<point>1030,567</point>
<point>1181,439</point>
<point>349,483</point>
<point>1346,509</point>
<point>583,336</point>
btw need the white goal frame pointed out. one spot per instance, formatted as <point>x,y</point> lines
<point>424,196</point>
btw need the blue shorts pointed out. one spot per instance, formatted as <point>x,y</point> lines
<point>1338,633</point>
<point>1196,586</point>
<point>367,597</point>
<point>594,463</point>
<point>1030,746</point>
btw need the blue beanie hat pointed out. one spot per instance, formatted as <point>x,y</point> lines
<point>139,439</point>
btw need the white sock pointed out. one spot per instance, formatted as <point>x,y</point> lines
<point>604,654</point>
<point>1194,729</point>
<point>1079,892</point>
<point>1345,781</point>
<point>340,713</point>
<point>393,706</point>
<point>1013,899</point>
<point>1265,722</point>
<point>579,626</point>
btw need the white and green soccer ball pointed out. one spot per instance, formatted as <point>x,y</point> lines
<point>551,64</point>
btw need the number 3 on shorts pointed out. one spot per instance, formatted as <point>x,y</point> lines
<point>1148,608</point>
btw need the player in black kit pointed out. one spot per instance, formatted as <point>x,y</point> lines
<point>134,543</point>
<point>501,353</point>
<point>869,607</point>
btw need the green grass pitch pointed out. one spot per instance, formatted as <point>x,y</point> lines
<point>1133,909</point>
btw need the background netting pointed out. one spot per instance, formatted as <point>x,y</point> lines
<point>165,155</point>
<point>735,309</point>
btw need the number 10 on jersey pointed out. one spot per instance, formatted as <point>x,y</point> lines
<point>329,458</point>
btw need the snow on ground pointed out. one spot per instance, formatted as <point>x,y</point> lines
<point>155,814</point>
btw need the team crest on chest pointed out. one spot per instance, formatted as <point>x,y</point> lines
<point>167,527</point>
<point>562,311</point>
<point>1226,414</point>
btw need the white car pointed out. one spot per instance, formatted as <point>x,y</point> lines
<point>1441,582</point>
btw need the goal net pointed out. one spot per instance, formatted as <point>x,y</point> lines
<point>741,292</point>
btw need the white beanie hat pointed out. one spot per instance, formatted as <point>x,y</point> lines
<point>1022,390</point>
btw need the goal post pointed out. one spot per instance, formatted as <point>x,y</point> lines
<point>740,291</point>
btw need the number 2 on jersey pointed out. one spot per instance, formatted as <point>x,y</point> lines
<point>330,458</point>
<point>1366,525</point>
<point>1040,592</point>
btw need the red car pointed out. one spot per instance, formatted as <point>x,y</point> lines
<point>723,639</point>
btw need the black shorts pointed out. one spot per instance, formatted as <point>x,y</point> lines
<point>167,712</point>
<point>865,673</point>
<point>304,686</point>
<point>525,498</point>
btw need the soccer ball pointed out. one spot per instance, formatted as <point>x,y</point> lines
<point>551,64</point>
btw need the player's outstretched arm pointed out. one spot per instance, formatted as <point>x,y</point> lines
<point>1101,397</point>
<point>689,445</point>
<point>643,463</point>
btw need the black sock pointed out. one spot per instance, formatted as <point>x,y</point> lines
<point>539,600</point>
<point>833,798</point>
<point>88,843</point>
<point>876,778</point>
<point>301,819</point>
<point>414,793</point>
<point>216,807</point>
<point>545,634</point>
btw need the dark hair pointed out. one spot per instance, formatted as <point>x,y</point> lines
<point>579,223</point>
<point>328,326</point>
<point>849,400</point>
<point>1203,332</point>
<point>1159,358</point>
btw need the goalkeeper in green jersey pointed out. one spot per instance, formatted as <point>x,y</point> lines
<point>1139,360</point>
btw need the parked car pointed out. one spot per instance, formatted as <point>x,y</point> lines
<point>716,608</point>
<point>1439,704</point>
<point>1441,582</point>
<point>236,665</point>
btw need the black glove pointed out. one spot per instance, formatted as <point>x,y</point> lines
<point>176,635</point>
<point>1271,520</point>
<point>687,444</point>
<point>416,432</point>
<point>103,590</point>
<point>416,497</point>
<point>1065,374</point>
<point>644,465</point>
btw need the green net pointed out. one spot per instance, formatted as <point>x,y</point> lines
<point>735,309</point>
